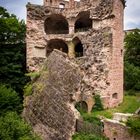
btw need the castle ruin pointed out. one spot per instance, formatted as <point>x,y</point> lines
<point>82,42</point>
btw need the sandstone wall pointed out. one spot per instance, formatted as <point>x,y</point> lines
<point>50,110</point>
<point>102,63</point>
<point>115,130</point>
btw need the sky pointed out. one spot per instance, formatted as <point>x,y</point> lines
<point>131,12</point>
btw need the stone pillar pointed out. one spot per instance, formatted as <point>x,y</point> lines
<point>71,26</point>
<point>71,29</point>
<point>71,49</point>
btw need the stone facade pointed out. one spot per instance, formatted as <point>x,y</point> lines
<point>88,31</point>
<point>90,35</point>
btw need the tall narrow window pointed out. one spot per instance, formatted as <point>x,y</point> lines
<point>78,47</point>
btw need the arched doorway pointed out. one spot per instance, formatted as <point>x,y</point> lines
<point>56,24</point>
<point>78,47</point>
<point>83,22</point>
<point>82,107</point>
<point>56,44</point>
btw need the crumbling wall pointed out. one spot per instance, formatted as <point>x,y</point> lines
<point>95,64</point>
<point>115,130</point>
<point>50,110</point>
<point>103,46</point>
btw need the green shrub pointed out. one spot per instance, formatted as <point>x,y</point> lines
<point>82,136</point>
<point>98,103</point>
<point>91,119</point>
<point>12,127</point>
<point>134,124</point>
<point>9,100</point>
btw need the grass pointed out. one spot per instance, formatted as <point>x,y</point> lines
<point>82,136</point>
<point>129,105</point>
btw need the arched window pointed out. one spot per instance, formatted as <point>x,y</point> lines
<point>78,47</point>
<point>56,24</point>
<point>83,22</point>
<point>56,44</point>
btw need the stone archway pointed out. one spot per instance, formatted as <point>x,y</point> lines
<point>56,24</point>
<point>56,44</point>
<point>83,22</point>
<point>82,107</point>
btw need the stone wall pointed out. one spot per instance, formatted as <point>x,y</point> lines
<point>50,110</point>
<point>115,130</point>
<point>95,64</point>
<point>102,62</point>
<point>69,80</point>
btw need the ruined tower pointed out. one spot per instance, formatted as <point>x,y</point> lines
<point>90,35</point>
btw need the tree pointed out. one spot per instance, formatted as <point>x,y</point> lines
<point>12,127</point>
<point>12,51</point>
<point>132,60</point>
<point>132,46</point>
<point>9,100</point>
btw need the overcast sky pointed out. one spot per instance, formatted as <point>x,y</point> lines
<point>131,14</point>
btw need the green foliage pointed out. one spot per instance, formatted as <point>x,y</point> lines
<point>28,89</point>
<point>132,61</point>
<point>131,92</point>
<point>98,103</point>
<point>134,124</point>
<point>106,113</point>
<point>33,75</point>
<point>92,119</point>
<point>83,136</point>
<point>132,46</point>
<point>9,100</point>
<point>12,51</point>
<point>132,76</point>
<point>12,30</point>
<point>12,127</point>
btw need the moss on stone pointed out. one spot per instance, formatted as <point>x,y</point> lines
<point>28,89</point>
